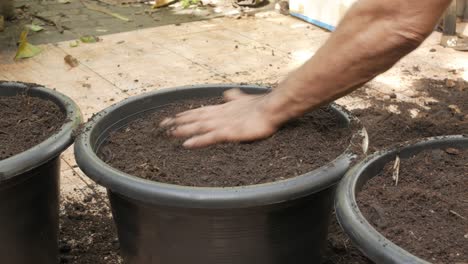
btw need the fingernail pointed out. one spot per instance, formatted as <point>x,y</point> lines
<point>188,143</point>
<point>165,122</point>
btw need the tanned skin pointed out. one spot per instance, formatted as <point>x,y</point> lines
<point>372,37</point>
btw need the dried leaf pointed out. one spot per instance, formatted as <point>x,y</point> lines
<point>452,151</point>
<point>396,170</point>
<point>104,10</point>
<point>63,1</point>
<point>33,27</point>
<point>455,109</point>
<point>162,3</point>
<point>74,44</point>
<point>25,49</point>
<point>2,23</point>
<point>72,61</point>
<point>89,39</point>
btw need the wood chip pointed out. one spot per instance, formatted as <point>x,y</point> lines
<point>396,170</point>
<point>457,214</point>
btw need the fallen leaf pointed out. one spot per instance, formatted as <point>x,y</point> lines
<point>104,10</point>
<point>454,109</point>
<point>2,23</point>
<point>63,1</point>
<point>74,44</point>
<point>452,151</point>
<point>33,27</point>
<point>162,3</point>
<point>89,39</point>
<point>72,61</point>
<point>25,49</point>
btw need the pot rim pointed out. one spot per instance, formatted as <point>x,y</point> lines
<point>207,197</point>
<point>53,145</point>
<point>369,241</point>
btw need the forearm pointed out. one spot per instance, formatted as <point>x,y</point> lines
<point>371,38</point>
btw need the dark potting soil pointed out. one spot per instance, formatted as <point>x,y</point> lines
<point>25,122</point>
<point>447,114</point>
<point>426,213</point>
<point>87,232</point>
<point>144,150</point>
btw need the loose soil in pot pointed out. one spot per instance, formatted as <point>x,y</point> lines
<point>427,212</point>
<point>143,149</point>
<point>25,122</point>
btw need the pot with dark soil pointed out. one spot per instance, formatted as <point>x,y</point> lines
<point>259,202</point>
<point>36,125</point>
<point>409,204</point>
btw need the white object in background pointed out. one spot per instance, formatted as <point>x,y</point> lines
<point>322,13</point>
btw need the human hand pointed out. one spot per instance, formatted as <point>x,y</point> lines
<point>242,118</point>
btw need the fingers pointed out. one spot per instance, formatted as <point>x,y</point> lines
<point>204,140</point>
<point>192,129</point>
<point>233,94</point>
<point>184,118</point>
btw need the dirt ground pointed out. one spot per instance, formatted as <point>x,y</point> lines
<point>88,235</point>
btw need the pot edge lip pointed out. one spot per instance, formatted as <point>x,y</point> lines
<point>353,222</point>
<point>51,147</point>
<point>209,197</point>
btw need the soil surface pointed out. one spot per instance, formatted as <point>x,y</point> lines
<point>25,122</point>
<point>426,213</point>
<point>144,150</point>
<point>87,232</point>
<point>446,114</point>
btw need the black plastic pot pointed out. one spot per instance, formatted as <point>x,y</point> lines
<point>281,222</point>
<point>29,188</point>
<point>373,244</point>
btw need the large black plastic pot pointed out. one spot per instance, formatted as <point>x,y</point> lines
<point>281,222</point>
<point>29,187</point>
<point>373,244</point>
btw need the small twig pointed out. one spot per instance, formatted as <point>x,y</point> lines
<point>457,214</point>
<point>48,21</point>
<point>396,170</point>
<point>56,23</point>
